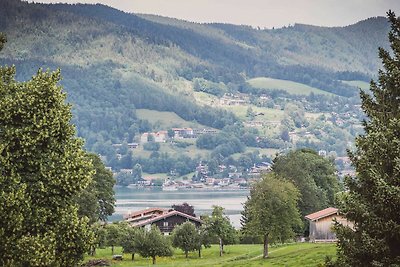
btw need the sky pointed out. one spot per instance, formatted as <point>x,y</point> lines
<point>257,13</point>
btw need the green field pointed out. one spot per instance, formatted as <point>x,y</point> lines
<point>288,86</point>
<point>164,120</point>
<point>301,254</point>
<point>359,84</point>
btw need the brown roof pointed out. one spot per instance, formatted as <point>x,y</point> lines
<point>321,214</point>
<point>166,215</point>
<point>144,211</point>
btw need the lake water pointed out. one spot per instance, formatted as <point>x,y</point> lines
<point>133,199</point>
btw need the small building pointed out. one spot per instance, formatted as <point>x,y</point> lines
<point>164,219</point>
<point>321,224</point>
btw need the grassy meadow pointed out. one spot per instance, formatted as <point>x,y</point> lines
<point>299,254</point>
<point>288,86</point>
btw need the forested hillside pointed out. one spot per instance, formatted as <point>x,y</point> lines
<point>114,63</point>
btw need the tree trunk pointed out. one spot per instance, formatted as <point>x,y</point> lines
<point>221,247</point>
<point>133,256</point>
<point>186,253</point>
<point>265,255</point>
<point>154,259</point>
<point>199,252</point>
<point>112,249</point>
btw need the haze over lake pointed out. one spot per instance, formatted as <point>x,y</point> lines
<point>133,199</point>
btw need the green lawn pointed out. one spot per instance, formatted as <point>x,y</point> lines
<point>359,84</point>
<point>165,120</point>
<point>301,254</point>
<point>288,86</point>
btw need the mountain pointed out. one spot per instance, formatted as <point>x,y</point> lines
<point>114,62</point>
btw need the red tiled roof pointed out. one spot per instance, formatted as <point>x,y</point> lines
<point>321,214</point>
<point>166,215</point>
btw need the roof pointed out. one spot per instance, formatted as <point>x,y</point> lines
<point>321,214</point>
<point>133,214</point>
<point>166,215</point>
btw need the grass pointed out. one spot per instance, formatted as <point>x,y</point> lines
<point>288,86</point>
<point>359,84</point>
<point>165,120</point>
<point>270,114</point>
<point>299,254</point>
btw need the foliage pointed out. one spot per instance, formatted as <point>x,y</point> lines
<point>43,167</point>
<point>152,243</point>
<point>114,234</point>
<point>313,175</point>
<point>373,198</point>
<point>271,210</point>
<point>185,237</point>
<point>220,226</point>
<point>97,200</point>
<point>131,240</point>
<point>184,208</point>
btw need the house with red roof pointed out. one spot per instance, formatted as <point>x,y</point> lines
<point>321,224</point>
<point>164,219</point>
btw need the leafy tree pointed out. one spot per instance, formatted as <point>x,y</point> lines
<point>153,243</point>
<point>312,174</point>
<point>220,226</point>
<point>271,210</point>
<point>185,208</point>
<point>114,233</point>
<point>99,232</point>
<point>171,133</point>
<point>204,238</point>
<point>373,199</point>
<point>186,237</point>
<point>130,240</point>
<point>97,200</point>
<point>43,167</point>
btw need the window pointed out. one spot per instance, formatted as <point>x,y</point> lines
<point>165,224</point>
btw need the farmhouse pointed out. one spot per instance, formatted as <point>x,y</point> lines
<point>164,219</point>
<point>321,223</point>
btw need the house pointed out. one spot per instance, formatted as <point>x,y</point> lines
<point>321,223</point>
<point>164,219</point>
<point>183,132</point>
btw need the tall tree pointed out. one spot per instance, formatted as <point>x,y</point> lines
<point>219,225</point>
<point>43,167</point>
<point>373,198</point>
<point>312,174</point>
<point>271,210</point>
<point>97,200</point>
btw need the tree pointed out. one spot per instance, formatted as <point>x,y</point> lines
<point>185,208</point>
<point>43,167</point>
<point>113,235</point>
<point>171,133</point>
<point>131,240</point>
<point>373,199</point>
<point>220,226</point>
<point>97,200</point>
<point>313,175</point>
<point>271,210</point>
<point>186,237</point>
<point>153,243</point>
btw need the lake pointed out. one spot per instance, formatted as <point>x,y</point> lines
<point>133,199</point>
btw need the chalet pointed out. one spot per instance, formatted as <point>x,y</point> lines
<point>321,223</point>
<point>164,219</point>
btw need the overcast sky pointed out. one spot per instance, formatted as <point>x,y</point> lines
<point>263,13</point>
